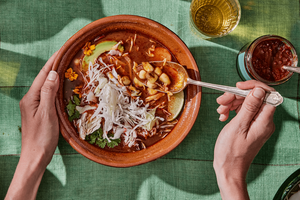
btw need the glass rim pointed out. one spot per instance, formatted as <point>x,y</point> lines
<point>290,187</point>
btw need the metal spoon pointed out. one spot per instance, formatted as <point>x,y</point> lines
<point>291,68</point>
<point>272,97</point>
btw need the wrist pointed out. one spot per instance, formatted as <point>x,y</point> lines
<point>34,163</point>
<point>231,166</point>
<point>27,178</point>
<point>37,155</point>
<point>232,186</point>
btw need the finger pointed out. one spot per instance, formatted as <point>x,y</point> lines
<point>237,103</point>
<point>48,91</point>
<point>252,84</point>
<point>237,110</point>
<point>226,98</point>
<point>224,117</point>
<point>266,116</point>
<point>224,108</point>
<point>251,106</point>
<point>267,113</point>
<point>41,77</point>
<point>230,107</point>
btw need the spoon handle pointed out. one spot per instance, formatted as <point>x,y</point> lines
<point>292,69</point>
<point>272,98</point>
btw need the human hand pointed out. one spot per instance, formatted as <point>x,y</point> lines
<point>40,132</point>
<point>242,138</point>
<point>40,128</point>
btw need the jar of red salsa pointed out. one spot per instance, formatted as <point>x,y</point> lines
<point>264,58</point>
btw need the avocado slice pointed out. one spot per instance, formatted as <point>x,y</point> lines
<point>99,49</point>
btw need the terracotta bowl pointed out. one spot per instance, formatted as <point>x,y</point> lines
<point>192,93</point>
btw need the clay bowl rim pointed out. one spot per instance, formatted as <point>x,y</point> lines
<point>192,93</point>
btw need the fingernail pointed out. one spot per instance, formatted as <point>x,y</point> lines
<point>52,75</point>
<point>219,109</point>
<point>222,116</point>
<point>259,93</point>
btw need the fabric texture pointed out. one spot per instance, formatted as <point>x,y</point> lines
<point>32,30</point>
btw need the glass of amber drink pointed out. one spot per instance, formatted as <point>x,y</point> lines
<point>214,18</point>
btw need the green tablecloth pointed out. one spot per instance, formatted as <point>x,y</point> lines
<point>32,30</point>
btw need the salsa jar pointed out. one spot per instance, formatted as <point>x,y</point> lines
<point>264,58</point>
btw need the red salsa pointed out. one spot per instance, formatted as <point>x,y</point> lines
<point>268,58</point>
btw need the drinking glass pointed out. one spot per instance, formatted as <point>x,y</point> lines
<point>214,18</point>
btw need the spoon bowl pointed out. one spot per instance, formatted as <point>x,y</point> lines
<point>177,72</point>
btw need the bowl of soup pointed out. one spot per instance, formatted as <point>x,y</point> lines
<point>105,113</point>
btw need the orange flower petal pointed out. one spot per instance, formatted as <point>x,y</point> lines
<point>76,91</point>
<point>75,76</point>
<point>71,75</point>
<point>67,75</point>
<point>88,49</point>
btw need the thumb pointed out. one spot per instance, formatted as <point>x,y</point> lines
<point>49,89</point>
<point>251,105</point>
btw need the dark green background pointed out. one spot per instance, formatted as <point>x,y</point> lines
<point>32,30</point>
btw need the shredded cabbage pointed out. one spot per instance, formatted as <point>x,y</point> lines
<point>115,109</point>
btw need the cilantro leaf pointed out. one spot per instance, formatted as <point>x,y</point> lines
<point>101,144</point>
<point>92,139</point>
<point>71,108</point>
<point>113,143</point>
<point>76,115</point>
<point>110,135</point>
<point>94,136</point>
<point>100,132</point>
<point>76,100</point>
<point>97,139</point>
